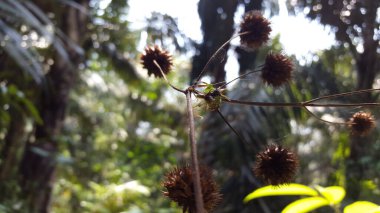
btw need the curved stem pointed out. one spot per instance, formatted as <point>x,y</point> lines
<point>342,94</point>
<point>255,103</point>
<point>245,74</point>
<point>166,79</point>
<point>343,105</point>
<point>299,104</point>
<point>233,129</point>
<point>194,157</point>
<point>320,119</point>
<point>215,54</point>
<point>243,144</point>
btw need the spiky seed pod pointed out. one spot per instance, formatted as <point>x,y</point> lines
<point>277,69</point>
<point>257,28</point>
<point>361,123</point>
<point>162,57</point>
<point>276,165</point>
<point>179,185</point>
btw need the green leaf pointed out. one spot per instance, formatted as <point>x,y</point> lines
<point>33,111</point>
<point>334,194</point>
<point>290,189</point>
<point>209,88</point>
<point>305,205</point>
<point>362,206</point>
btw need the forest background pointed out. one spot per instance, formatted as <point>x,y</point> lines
<point>84,129</point>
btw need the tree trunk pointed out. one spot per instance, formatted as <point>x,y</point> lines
<point>13,143</point>
<point>39,160</point>
<point>366,61</point>
<point>367,65</point>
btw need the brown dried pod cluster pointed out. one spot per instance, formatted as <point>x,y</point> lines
<point>162,57</point>
<point>276,165</point>
<point>256,29</point>
<point>179,185</point>
<point>361,123</point>
<point>277,69</point>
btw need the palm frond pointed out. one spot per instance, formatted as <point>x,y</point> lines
<point>27,59</point>
<point>25,30</point>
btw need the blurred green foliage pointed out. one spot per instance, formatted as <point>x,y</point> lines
<point>122,130</point>
<point>119,141</point>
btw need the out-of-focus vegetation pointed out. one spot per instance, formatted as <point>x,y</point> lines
<point>83,130</point>
<point>131,138</point>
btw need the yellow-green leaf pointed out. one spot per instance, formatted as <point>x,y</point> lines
<point>305,205</point>
<point>289,189</point>
<point>334,194</point>
<point>362,206</point>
